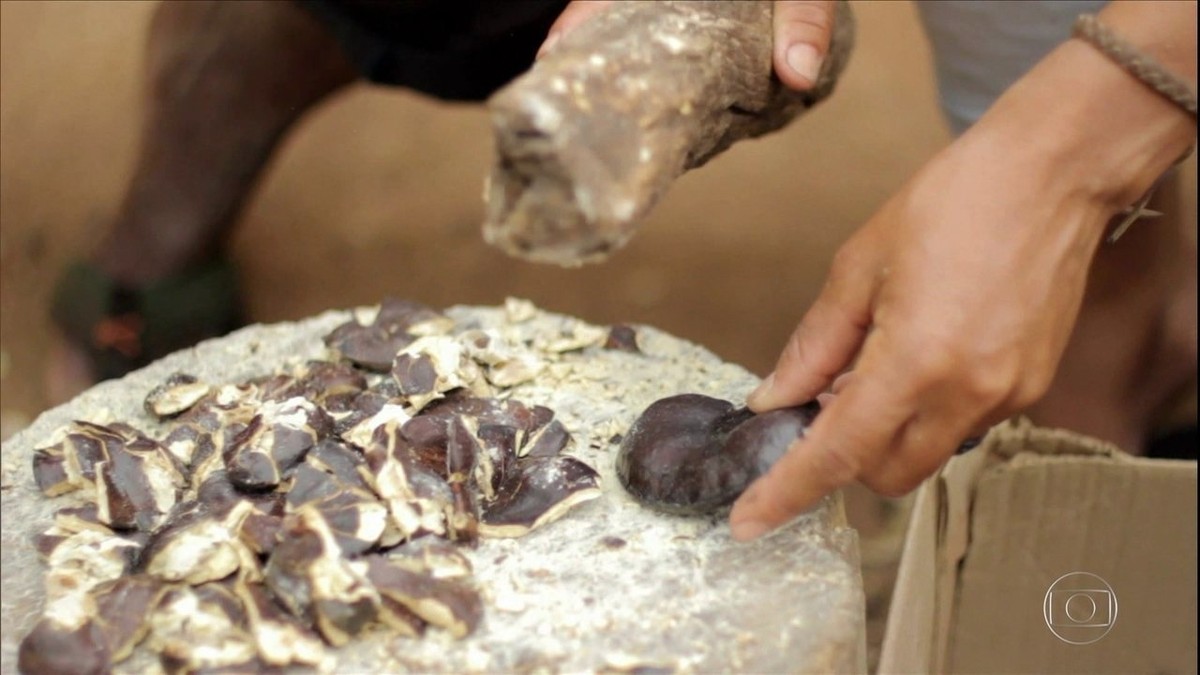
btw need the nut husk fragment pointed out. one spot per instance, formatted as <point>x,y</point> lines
<point>446,603</point>
<point>373,344</point>
<point>622,338</point>
<point>195,547</point>
<point>431,366</point>
<point>122,606</point>
<point>51,474</point>
<point>137,485</point>
<point>301,507</point>
<point>54,649</point>
<point>201,628</point>
<point>70,463</point>
<point>543,491</point>
<point>179,393</point>
<point>280,639</point>
<point>308,575</point>
<point>418,496</point>
<point>85,559</point>
<point>274,442</point>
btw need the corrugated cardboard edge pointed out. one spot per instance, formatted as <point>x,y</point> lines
<point>917,626</point>
<point>919,631</point>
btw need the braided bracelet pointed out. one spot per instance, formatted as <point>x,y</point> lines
<point>1149,72</point>
<point>1144,67</point>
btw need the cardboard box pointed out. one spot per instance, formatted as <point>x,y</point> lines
<point>1044,551</point>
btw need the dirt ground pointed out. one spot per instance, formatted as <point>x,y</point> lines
<point>378,193</point>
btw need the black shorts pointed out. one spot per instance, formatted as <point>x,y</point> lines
<point>457,50</point>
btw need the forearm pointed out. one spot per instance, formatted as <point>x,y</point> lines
<point>1091,126</point>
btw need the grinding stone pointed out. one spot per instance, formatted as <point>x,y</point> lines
<point>611,587</point>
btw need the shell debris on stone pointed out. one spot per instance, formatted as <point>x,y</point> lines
<point>538,608</point>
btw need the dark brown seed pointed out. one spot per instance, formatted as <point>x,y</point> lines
<point>188,443</point>
<point>622,338</point>
<point>357,520</point>
<point>323,381</point>
<point>693,454</point>
<point>400,618</point>
<point>427,430</point>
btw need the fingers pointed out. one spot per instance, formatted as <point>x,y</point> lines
<point>839,385</point>
<point>822,346</point>
<point>887,424</point>
<point>802,33</point>
<point>924,444</point>
<point>848,439</point>
<point>576,13</point>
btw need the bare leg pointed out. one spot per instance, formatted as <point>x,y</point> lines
<point>225,80</point>
<point>1134,348</point>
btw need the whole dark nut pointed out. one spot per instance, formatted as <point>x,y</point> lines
<point>693,454</point>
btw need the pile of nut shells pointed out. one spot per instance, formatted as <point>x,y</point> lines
<point>272,518</point>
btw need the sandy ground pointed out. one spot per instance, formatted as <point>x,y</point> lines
<point>378,193</point>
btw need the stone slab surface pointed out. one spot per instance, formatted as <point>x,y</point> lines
<point>679,594</point>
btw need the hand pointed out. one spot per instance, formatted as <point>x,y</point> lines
<point>803,29</point>
<point>958,298</point>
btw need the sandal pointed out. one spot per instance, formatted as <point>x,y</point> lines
<point>122,329</point>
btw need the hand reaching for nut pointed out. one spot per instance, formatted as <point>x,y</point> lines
<point>692,454</point>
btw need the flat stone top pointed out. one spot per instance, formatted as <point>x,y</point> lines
<point>612,587</point>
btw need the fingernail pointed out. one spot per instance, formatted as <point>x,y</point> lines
<point>548,44</point>
<point>825,399</point>
<point>749,530</point>
<point>805,60</point>
<point>760,392</point>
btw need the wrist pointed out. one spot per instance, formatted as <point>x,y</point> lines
<point>1093,128</point>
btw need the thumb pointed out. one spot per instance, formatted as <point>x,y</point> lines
<point>575,13</point>
<point>803,29</point>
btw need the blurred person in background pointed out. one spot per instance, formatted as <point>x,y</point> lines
<point>981,289</point>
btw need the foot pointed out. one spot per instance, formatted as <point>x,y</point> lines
<point>68,373</point>
<point>108,328</point>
